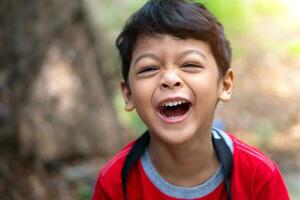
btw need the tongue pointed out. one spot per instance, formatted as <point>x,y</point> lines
<point>175,110</point>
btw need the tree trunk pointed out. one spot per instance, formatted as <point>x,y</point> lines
<point>53,102</point>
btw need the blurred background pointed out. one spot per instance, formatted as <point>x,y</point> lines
<point>61,113</point>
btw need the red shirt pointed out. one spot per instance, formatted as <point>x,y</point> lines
<point>254,177</point>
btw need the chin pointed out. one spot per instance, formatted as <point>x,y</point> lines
<point>175,137</point>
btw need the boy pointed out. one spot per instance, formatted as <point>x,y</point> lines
<point>176,68</point>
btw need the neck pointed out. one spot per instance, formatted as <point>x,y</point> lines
<point>188,164</point>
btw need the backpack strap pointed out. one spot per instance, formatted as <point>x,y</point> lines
<point>225,157</point>
<point>134,154</point>
<point>222,149</point>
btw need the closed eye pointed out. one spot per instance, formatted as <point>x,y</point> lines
<point>191,67</point>
<point>147,70</point>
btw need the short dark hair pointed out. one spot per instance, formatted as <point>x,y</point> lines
<point>179,18</point>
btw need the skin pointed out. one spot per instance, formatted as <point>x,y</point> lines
<point>164,69</point>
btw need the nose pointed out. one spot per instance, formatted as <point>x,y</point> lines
<point>170,80</point>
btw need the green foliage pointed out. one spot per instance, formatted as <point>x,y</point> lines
<point>294,47</point>
<point>231,13</point>
<point>269,8</point>
<point>83,191</point>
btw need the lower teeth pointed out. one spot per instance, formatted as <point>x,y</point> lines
<point>173,117</point>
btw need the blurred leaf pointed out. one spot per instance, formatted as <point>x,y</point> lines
<point>235,15</point>
<point>294,47</point>
<point>84,191</point>
<point>269,8</point>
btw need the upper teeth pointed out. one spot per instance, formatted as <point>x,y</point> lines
<point>175,103</point>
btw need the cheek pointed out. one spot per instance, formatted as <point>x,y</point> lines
<point>142,100</point>
<point>203,85</point>
<point>142,92</point>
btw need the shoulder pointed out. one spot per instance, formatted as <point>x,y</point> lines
<point>254,174</point>
<point>109,183</point>
<point>115,164</point>
<point>251,156</point>
<point>110,174</point>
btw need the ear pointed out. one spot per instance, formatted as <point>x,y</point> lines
<point>226,86</point>
<point>129,106</point>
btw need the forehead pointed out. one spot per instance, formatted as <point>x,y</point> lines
<point>161,43</point>
<point>165,46</point>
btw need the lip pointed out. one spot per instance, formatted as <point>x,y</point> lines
<point>172,99</point>
<point>175,119</point>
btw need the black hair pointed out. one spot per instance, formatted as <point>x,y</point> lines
<point>179,18</point>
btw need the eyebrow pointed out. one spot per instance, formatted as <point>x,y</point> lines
<point>145,55</point>
<point>155,57</point>
<point>193,51</point>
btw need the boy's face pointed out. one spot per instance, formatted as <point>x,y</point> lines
<point>175,85</point>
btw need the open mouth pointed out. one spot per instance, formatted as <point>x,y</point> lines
<point>175,109</point>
